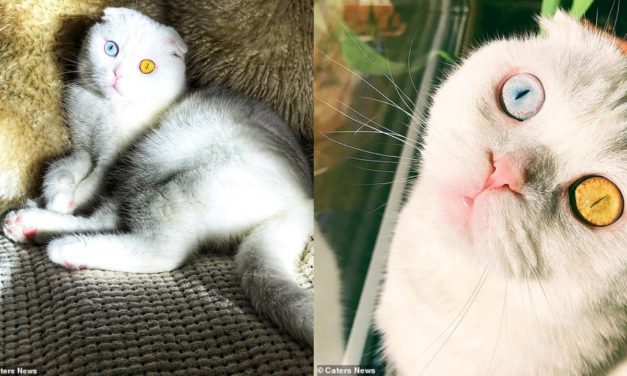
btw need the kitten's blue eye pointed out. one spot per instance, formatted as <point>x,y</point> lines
<point>522,96</point>
<point>111,48</point>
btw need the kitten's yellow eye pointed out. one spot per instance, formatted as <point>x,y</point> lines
<point>596,201</point>
<point>146,66</point>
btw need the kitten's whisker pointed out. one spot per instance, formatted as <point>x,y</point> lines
<point>467,308</point>
<point>372,169</point>
<point>406,100</point>
<point>537,278</point>
<point>372,160</point>
<point>457,316</point>
<point>616,18</point>
<point>392,104</point>
<point>407,178</point>
<point>375,64</point>
<point>498,335</point>
<point>369,212</point>
<point>609,15</point>
<point>368,120</point>
<point>353,132</point>
<point>363,150</point>
<point>533,306</point>
<point>411,46</point>
<point>386,131</point>
<point>359,76</point>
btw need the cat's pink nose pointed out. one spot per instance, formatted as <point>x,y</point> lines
<point>505,175</point>
<point>117,74</point>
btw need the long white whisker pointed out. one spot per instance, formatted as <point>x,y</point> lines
<point>467,308</point>
<point>409,107</point>
<point>363,150</point>
<point>498,335</point>
<point>386,132</point>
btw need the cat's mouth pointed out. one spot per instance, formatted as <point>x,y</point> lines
<point>115,88</point>
<point>472,207</point>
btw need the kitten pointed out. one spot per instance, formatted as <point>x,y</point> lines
<point>497,265</point>
<point>217,167</point>
<point>130,70</point>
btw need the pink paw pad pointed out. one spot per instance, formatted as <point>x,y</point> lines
<point>29,232</point>
<point>18,220</point>
<point>8,222</point>
<point>69,265</point>
<point>70,204</point>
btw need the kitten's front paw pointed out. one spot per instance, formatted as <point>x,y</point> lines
<point>59,192</point>
<point>62,202</point>
<point>68,252</point>
<point>19,226</point>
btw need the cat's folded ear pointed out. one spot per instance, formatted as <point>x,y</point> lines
<point>174,40</point>
<point>112,12</point>
<point>561,25</point>
<point>569,30</point>
<point>621,43</point>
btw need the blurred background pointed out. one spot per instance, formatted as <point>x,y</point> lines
<point>376,63</point>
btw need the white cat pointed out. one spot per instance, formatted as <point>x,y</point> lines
<point>215,168</point>
<point>510,255</point>
<point>131,69</point>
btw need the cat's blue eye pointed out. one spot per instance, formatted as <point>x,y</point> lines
<point>522,96</point>
<point>111,48</point>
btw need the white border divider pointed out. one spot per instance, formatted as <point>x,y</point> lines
<point>370,292</point>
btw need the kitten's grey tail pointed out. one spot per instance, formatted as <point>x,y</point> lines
<point>266,262</point>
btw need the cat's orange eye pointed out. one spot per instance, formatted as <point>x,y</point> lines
<point>596,201</point>
<point>146,66</point>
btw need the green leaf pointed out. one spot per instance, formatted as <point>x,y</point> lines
<point>580,7</point>
<point>362,57</point>
<point>549,7</point>
<point>444,55</point>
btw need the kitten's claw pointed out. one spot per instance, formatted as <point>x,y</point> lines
<point>18,227</point>
<point>68,252</point>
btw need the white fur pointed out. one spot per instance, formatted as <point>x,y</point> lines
<point>104,120</point>
<point>552,300</point>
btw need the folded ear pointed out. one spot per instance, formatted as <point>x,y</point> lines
<point>621,43</point>
<point>111,13</point>
<point>174,40</point>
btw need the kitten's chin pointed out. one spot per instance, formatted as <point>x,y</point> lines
<point>494,228</point>
<point>475,218</point>
<point>112,93</point>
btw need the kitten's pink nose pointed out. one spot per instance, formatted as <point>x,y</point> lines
<point>117,74</point>
<point>505,175</point>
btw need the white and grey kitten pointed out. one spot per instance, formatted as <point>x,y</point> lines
<point>217,167</point>
<point>131,69</point>
<point>491,269</point>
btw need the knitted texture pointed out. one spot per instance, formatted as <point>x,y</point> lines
<point>192,321</point>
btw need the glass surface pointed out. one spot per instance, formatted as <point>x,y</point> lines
<point>371,61</point>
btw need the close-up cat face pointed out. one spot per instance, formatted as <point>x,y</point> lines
<point>146,62</point>
<point>514,134</point>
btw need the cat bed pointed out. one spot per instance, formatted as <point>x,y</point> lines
<point>194,320</point>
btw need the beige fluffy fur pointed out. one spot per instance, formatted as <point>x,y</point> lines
<point>259,47</point>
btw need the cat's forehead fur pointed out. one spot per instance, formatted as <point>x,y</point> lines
<point>130,24</point>
<point>582,120</point>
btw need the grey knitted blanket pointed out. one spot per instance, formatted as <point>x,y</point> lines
<point>192,321</point>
